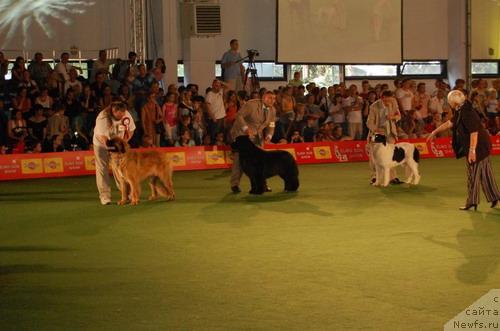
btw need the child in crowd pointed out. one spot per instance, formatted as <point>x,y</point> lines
<point>296,137</point>
<point>185,139</point>
<point>309,131</point>
<point>170,116</point>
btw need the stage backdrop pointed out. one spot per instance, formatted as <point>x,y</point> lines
<point>339,31</point>
<point>24,166</point>
<point>58,25</point>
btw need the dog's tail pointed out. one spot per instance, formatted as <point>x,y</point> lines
<point>416,155</point>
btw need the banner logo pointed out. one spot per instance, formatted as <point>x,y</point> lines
<point>178,158</point>
<point>322,152</point>
<point>90,163</point>
<point>214,157</point>
<point>53,165</point>
<point>31,166</point>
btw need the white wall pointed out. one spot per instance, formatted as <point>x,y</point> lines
<point>425,29</point>
<point>253,22</point>
<point>485,29</point>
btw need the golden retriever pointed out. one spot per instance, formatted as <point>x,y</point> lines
<point>132,167</point>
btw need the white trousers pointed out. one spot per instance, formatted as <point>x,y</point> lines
<point>102,173</point>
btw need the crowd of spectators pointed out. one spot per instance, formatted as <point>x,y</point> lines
<point>51,110</point>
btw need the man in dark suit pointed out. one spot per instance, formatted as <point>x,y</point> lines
<point>257,120</point>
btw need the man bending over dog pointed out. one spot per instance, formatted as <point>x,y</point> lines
<point>113,121</point>
<point>257,120</point>
<point>382,118</point>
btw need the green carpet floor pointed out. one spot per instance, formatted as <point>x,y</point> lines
<point>338,255</point>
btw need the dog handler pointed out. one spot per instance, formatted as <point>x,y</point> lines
<point>257,120</point>
<point>471,140</point>
<point>382,118</point>
<point>112,121</point>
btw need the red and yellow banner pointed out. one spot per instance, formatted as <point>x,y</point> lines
<point>23,166</point>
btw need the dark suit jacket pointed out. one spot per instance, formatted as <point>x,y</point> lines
<point>466,121</point>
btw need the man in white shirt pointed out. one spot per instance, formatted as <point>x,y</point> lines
<point>405,96</point>
<point>63,67</point>
<point>216,109</point>
<point>113,121</point>
<point>352,106</point>
<point>73,83</point>
<point>100,65</point>
<point>422,102</point>
<point>438,103</point>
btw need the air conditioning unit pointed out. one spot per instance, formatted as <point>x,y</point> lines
<point>201,18</point>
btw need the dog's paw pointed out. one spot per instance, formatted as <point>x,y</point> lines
<point>121,202</point>
<point>376,184</point>
<point>134,202</point>
<point>152,197</point>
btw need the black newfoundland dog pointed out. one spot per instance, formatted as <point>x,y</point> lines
<point>259,165</point>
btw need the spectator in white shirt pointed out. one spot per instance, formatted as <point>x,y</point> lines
<point>352,105</point>
<point>216,109</point>
<point>404,96</point>
<point>73,83</point>
<point>100,65</point>
<point>438,103</point>
<point>422,102</point>
<point>63,67</point>
<point>336,112</point>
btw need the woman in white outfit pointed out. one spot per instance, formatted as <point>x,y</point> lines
<point>113,121</point>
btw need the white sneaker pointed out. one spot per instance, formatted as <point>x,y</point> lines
<point>105,202</point>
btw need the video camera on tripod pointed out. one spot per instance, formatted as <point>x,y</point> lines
<point>252,53</point>
<point>252,70</point>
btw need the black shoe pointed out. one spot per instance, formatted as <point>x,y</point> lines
<point>268,189</point>
<point>235,189</point>
<point>396,181</point>
<point>469,207</point>
<point>494,204</point>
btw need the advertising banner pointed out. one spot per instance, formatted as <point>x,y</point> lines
<point>65,164</point>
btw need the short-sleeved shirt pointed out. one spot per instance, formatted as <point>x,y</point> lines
<point>216,101</point>
<point>231,72</point>
<point>117,129</point>
<point>354,116</point>
<point>336,112</point>
<point>405,98</point>
<point>465,121</point>
<point>63,69</point>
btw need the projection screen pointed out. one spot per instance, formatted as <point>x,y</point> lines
<point>339,31</point>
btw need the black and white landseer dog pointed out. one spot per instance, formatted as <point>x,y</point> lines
<point>387,156</point>
<point>259,165</point>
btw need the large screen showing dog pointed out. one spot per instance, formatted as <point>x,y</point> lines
<point>339,31</point>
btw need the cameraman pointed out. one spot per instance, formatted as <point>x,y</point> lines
<point>232,68</point>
